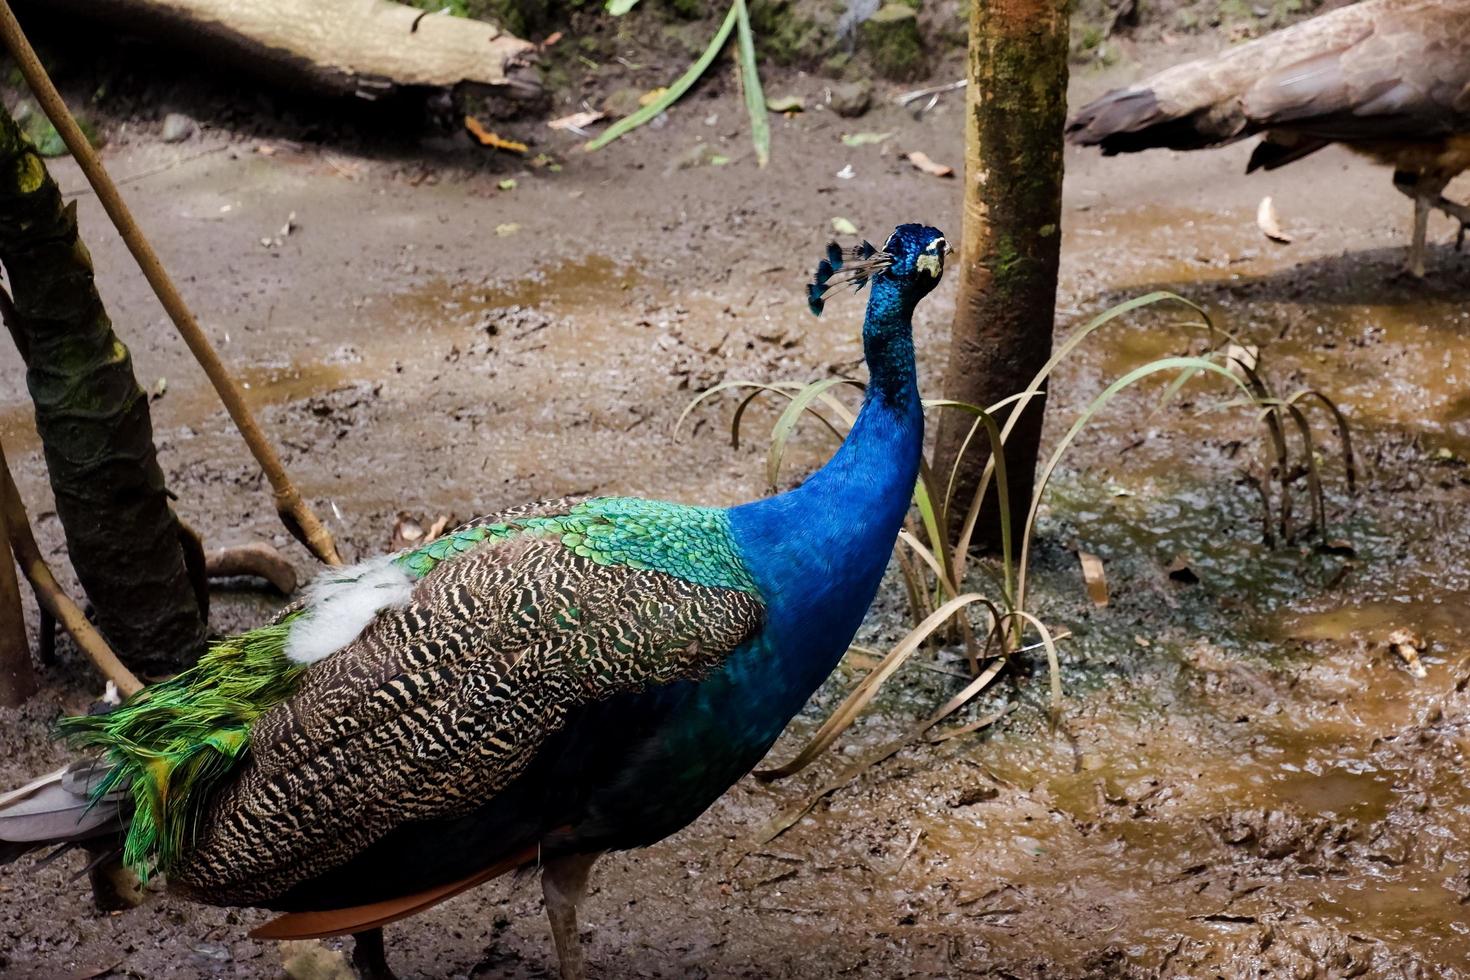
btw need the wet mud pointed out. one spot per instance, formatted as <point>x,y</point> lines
<point>1246,779</point>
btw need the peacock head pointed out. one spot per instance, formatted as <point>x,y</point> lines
<point>912,260</point>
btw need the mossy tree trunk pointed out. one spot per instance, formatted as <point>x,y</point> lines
<point>124,540</point>
<point>1015,106</point>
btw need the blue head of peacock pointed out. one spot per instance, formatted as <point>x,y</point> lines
<point>911,262</point>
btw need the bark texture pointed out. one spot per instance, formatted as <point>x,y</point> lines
<point>1015,110</point>
<point>124,540</point>
<point>366,48</point>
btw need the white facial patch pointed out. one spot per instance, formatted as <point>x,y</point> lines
<point>341,603</point>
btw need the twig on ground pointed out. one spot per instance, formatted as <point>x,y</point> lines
<point>259,559</point>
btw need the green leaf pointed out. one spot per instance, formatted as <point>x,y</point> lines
<point>750,81</point>
<point>675,91</point>
<point>786,103</point>
<point>620,7</point>
<point>844,227</point>
<point>508,184</point>
<point>864,139</point>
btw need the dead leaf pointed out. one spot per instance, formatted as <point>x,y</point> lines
<point>922,161</point>
<point>551,39</point>
<point>487,138</point>
<point>100,970</point>
<point>407,532</point>
<point>1267,221</point>
<point>1341,547</point>
<point>266,150</point>
<point>863,139</point>
<point>1241,359</point>
<point>577,120</point>
<point>1092,574</point>
<point>507,229</point>
<point>651,96</point>
<point>1408,644</point>
<point>844,227</point>
<point>1179,571</point>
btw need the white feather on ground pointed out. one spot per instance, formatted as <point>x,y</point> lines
<point>340,604</point>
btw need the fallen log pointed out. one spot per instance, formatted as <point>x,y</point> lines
<point>366,48</point>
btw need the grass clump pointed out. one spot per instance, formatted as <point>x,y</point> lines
<point>984,608</point>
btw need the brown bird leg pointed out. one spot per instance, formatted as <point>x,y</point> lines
<point>368,957</point>
<point>1460,212</point>
<point>1425,191</point>
<point>564,883</point>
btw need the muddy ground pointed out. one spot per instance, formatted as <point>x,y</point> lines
<point>1246,781</point>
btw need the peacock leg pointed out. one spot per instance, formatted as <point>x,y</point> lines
<point>368,957</point>
<point>1460,212</point>
<point>564,883</point>
<point>1425,190</point>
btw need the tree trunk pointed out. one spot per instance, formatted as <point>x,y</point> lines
<point>1016,107</point>
<point>123,538</point>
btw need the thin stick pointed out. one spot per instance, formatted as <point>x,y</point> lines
<point>295,513</point>
<point>49,595</point>
<point>17,677</point>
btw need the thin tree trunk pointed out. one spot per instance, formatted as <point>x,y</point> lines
<point>17,676</point>
<point>1015,106</point>
<point>123,538</point>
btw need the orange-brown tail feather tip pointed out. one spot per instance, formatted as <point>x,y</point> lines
<point>341,922</point>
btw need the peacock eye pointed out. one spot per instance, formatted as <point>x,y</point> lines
<point>932,260</point>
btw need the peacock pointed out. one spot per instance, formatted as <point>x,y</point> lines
<point>533,689</point>
<point>1387,78</point>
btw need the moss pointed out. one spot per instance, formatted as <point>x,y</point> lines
<point>520,17</point>
<point>689,38</point>
<point>836,65</point>
<point>892,43</point>
<point>785,33</point>
<point>688,9</point>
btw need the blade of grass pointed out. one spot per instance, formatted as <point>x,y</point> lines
<point>750,81</point>
<point>1344,434</point>
<point>1034,389</point>
<point>788,818</point>
<point>1095,406</point>
<point>997,467</point>
<point>786,423</point>
<point>846,713</point>
<point>675,91</point>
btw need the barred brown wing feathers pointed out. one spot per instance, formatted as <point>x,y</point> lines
<point>1408,77</point>
<point>1378,67</point>
<point>439,705</point>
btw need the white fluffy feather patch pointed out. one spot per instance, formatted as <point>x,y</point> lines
<point>340,604</point>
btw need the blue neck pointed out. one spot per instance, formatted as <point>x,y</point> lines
<point>818,552</point>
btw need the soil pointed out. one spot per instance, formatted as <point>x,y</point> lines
<point>1245,781</point>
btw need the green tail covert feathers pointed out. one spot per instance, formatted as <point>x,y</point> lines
<point>173,742</point>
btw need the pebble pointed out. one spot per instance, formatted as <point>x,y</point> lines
<point>177,127</point>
